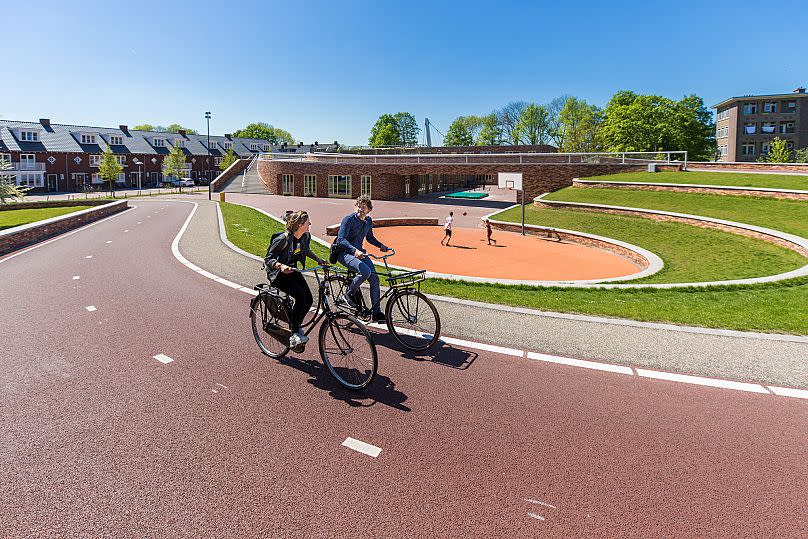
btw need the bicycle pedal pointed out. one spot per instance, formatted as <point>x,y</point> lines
<point>299,349</point>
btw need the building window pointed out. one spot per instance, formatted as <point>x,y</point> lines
<point>29,180</point>
<point>309,185</point>
<point>723,115</point>
<point>770,106</point>
<point>768,128</point>
<point>288,184</point>
<point>748,149</point>
<point>228,145</point>
<point>5,158</point>
<point>339,186</point>
<point>179,143</point>
<point>365,189</point>
<point>88,139</point>
<point>115,140</point>
<point>254,147</point>
<point>791,106</point>
<point>267,147</point>
<point>121,159</point>
<point>723,151</point>
<point>217,161</point>
<point>95,160</point>
<point>27,161</point>
<point>764,148</point>
<point>750,108</point>
<point>722,132</point>
<point>121,178</point>
<point>787,127</point>
<point>95,178</point>
<point>29,136</point>
<point>749,128</point>
<point>212,145</point>
<point>158,142</point>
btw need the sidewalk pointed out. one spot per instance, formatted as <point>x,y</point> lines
<point>772,359</point>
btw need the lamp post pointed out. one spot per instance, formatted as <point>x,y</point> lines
<point>207,160</point>
<point>138,163</point>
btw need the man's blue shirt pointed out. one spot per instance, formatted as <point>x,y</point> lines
<point>353,231</point>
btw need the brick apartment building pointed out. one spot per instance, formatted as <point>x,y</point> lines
<point>54,157</point>
<point>745,126</point>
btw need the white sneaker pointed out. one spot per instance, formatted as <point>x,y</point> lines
<point>298,339</point>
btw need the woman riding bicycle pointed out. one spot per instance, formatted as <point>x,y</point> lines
<point>284,252</point>
<point>353,231</point>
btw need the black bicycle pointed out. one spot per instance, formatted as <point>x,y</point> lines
<point>412,318</point>
<point>346,346</point>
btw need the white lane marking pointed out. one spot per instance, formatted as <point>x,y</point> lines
<point>214,390</point>
<point>148,217</point>
<point>109,241</point>
<point>362,447</point>
<point>540,503</point>
<point>88,256</point>
<point>91,308</point>
<point>789,392</point>
<point>139,222</point>
<point>162,358</point>
<point>221,385</point>
<point>534,515</point>
<point>580,363</point>
<point>701,381</point>
<point>76,277</point>
<point>127,230</point>
<point>618,369</point>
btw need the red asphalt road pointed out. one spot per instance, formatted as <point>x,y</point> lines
<point>97,439</point>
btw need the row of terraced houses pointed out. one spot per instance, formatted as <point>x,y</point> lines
<point>53,157</point>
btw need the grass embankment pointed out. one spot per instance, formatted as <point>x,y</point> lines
<point>770,181</point>
<point>691,254</point>
<point>778,307</point>
<point>12,218</point>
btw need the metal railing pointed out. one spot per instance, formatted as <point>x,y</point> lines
<point>20,165</point>
<point>520,158</point>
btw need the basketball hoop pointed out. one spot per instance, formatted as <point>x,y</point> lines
<point>513,181</point>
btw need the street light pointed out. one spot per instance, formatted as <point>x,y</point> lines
<point>207,161</point>
<point>138,163</point>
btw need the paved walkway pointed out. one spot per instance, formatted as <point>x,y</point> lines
<point>766,358</point>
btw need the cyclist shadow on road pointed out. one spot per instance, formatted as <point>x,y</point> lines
<point>382,389</point>
<point>441,354</point>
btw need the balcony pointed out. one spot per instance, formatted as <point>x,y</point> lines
<point>36,167</point>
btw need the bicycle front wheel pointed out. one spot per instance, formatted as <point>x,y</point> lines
<point>271,337</point>
<point>413,320</point>
<point>348,351</point>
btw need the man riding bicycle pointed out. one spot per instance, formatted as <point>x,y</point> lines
<point>353,231</point>
<point>284,252</point>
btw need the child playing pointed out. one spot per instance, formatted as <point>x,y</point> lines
<point>488,233</point>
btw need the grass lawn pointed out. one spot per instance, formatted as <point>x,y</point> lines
<point>784,215</point>
<point>690,254</point>
<point>773,181</point>
<point>778,308</point>
<point>12,218</point>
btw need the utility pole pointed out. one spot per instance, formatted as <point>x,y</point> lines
<point>207,161</point>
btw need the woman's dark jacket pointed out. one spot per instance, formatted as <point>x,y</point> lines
<point>281,250</point>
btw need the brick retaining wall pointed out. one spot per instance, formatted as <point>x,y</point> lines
<point>333,230</point>
<point>758,167</point>
<point>699,190</point>
<point>18,237</point>
<point>233,170</point>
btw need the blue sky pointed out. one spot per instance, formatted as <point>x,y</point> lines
<point>326,70</point>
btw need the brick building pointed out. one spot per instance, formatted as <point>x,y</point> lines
<point>55,157</point>
<point>390,176</point>
<point>745,126</point>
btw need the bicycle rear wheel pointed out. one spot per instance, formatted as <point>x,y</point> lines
<point>348,351</point>
<point>270,335</point>
<point>413,319</point>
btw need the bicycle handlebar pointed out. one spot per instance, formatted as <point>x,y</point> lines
<point>383,257</point>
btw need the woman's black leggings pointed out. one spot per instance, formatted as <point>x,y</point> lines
<point>295,285</point>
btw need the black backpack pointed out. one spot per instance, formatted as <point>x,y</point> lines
<point>271,240</point>
<point>334,252</point>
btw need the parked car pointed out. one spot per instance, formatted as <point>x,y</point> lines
<point>183,182</point>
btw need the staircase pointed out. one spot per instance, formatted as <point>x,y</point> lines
<point>247,182</point>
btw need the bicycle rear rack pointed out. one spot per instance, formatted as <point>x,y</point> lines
<point>408,279</point>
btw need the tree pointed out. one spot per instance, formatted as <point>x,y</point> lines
<point>652,123</point>
<point>490,131</point>
<point>385,132</point>
<point>176,128</point>
<point>778,152</point>
<point>8,187</point>
<point>109,169</point>
<point>579,122</point>
<point>554,130</point>
<point>174,164</point>
<point>229,158</point>
<point>534,124</point>
<point>509,121</point>
<point>150,127</point>
<point>461,131</point>
<point>265,131</point>
<point>407,128</point>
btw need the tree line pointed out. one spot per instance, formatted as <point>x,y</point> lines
<point>630,122</point>
<point>256,130</point>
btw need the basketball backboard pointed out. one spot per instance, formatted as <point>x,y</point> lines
<point>510,180</point>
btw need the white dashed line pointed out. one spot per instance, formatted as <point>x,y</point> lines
<point>222,386</point>
<point>534,515</point>
<point>540,503</point>
<point>76,277</point>
<point>148,217</point>
<point>109,241</point>
<point>580,363</point>
<point>789,392</point>
<point>362,447</point>
<point>698,380</point>
<point>88,256</point>
<point>127,230</point>
<point>139,222</point>
<point>162,358</point>
<point>91,308</point>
